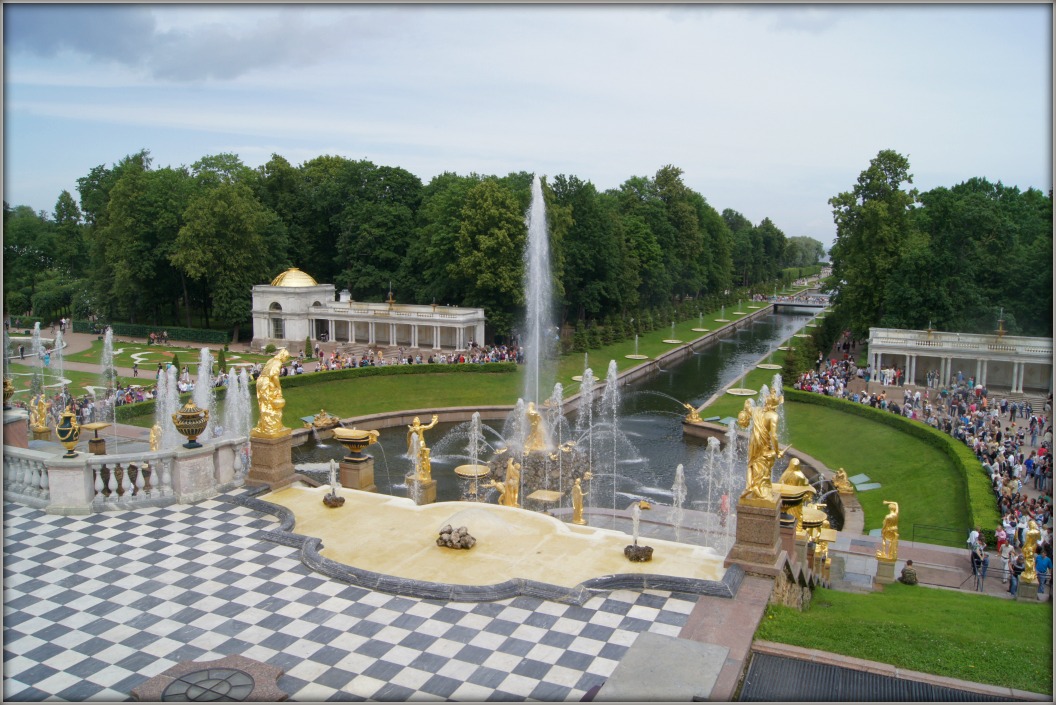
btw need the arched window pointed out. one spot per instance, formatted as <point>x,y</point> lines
<point>275,307</point>
<point>278,327</point>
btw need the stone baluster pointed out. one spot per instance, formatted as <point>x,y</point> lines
<point>140,482</point>
<point>97,471</point>
<point>111,484</point>
<point>123,479</point>
<point>26,480</point>
<point>166,476</point>
<point>45,490</point>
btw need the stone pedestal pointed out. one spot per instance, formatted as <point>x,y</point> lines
<point>1027,592</point>
<point>758,543</point>
<point>16,428</point>
<point>422,492</point>
<point>885,571</point>
<point>272,459</point>
<point>193,477</point>
<point>97,446</point>
<point>801,550</point>
<point>42,434</point>
<point>357,473</point>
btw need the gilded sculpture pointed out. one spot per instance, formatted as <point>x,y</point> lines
<point>536,439</point>
<point>794,477</point>
<point>417,429</point>
<point>763,450</point>
<point>577,503</point>
<point>425,465</point>
<point>888,550</point>
<point>270,399</point>
<point>155,437</point>
<point>38,413</point>
<point>694,414</point>
<point>510,487</point>
<point>1030,547</point>
<point>841,483</point>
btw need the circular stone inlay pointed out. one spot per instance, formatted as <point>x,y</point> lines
<point>210,685</point>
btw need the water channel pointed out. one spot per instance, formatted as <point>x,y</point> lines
<point>651,418</point>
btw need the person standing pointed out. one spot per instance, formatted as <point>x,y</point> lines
<point>135,369</point>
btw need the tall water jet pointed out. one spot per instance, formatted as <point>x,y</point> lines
<point>678,493</point>
<point>554,418</point>
<point>585,417</point>
<point>57,365</point>
<point>166,404</point>
<point>610,411</point>
<point>109,382</point>
<point>538,342</point>
<point>204,395</point>
<point>236,406</point>
<point>37,381</point>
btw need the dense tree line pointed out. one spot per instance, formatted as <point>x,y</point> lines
<point>956,258</point>
<point>186,244</point>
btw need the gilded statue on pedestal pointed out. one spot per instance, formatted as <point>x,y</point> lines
<point>763,450</point>
<point>513,483</point>
<point>425,464</point>
<point>270,399</point>
<point>841,483</point>
<point>793,476</point>
<point>155,437</point>
<point>536,439</point>
<point>417,429</point>
<point>38,413</point>
<point>888,550</point>
<point>1030,547</point>
<point>694,414</point>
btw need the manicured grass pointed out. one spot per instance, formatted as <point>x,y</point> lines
<point>150,355</point>
<point>948,633</point>
<point>21,379</point>
<point>928,488</point>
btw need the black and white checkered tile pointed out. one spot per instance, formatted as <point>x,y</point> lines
<point>94,606</point>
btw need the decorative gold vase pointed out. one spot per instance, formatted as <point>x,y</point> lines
<point>355,440</point>
<point>190,421</point>
<point>68,432</point>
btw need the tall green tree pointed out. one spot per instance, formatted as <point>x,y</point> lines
<point>873,223</point>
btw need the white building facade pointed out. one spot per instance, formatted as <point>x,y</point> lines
<point>1019,364</point>
<point>294,307</point>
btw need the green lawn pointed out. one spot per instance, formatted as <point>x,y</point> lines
<point>149,356</point>
<point>945,632</point>
<point>21,379</point>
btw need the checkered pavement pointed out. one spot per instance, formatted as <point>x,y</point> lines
<point>96,605</point>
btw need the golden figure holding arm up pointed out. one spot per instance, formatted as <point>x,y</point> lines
<point>1030,547</point>
<point>270,399</point>
<point>417,429</point>
<point>763,450</point>
<point>38,413</point>
<point>694,414</point>
<point>888,550</point>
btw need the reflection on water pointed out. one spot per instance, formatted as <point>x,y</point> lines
<point>651,417</point>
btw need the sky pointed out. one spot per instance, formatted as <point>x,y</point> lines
<point>768,110</point>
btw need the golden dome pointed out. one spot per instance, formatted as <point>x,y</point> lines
<point>293,277</point>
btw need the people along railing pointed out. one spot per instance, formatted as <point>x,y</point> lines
<point>99,483</point>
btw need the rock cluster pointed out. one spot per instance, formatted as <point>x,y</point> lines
<point>638,554</point>
<point>455,538</point>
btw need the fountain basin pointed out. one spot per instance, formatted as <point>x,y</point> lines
<point>512,545</point>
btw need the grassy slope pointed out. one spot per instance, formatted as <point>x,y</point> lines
<point>960,635</point>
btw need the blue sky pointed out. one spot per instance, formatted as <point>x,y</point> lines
<point>768,110</point>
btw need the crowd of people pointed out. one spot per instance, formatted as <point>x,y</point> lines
<point>475,355</point>
<point>1011,439</point>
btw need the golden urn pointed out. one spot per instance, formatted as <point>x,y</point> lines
<point>355,440</point>
<point>191,421</point>
<point>68,432</point>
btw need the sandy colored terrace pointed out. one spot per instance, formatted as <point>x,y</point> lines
<point>393,536</point>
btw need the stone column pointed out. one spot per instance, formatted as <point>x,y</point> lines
<point>983,373</point>
<point>978,371</point>
<point>436,337</point>
<point>272,459</point>
<point>370,333</point>
<point>757,546</point>
<point>392,334</point>
<point>414,336</point>
<point>421,491</point>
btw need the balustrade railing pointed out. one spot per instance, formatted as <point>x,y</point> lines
<point>131,479</point>
<point>26,476</point>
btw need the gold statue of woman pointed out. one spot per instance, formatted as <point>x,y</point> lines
<point>513,483</point>
<point>536,439</point>
<point>38,413</point>
<point>763,450</point>
<point>270,399</point>
<point>577,504</point>
<point>155,437</point>
<point>417,429</point>
<point>1030,547</point>
<point>888,550</point>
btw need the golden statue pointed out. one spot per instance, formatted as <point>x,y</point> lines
<point>794,476</point>
<point>38,413</point>
<point>536,439</point>
<point>323,420</point>
<point>270,399</point>
<point>763,450</point>
<point>841,483</point>
<point>694,414</point>
<point>417,429</point>
<point>1030,547</point>
<point>577,504</point>
<point>425,465</point>
<point>155,437</point>
<point>888,550</point>
<point>513,483</point>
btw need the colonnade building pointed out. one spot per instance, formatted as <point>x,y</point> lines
<point>294,307</point>
<point>1017,364</point>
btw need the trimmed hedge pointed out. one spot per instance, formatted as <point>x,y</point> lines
<point>127,412</point>
<point>136,330</point>
<point>977,494</point>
